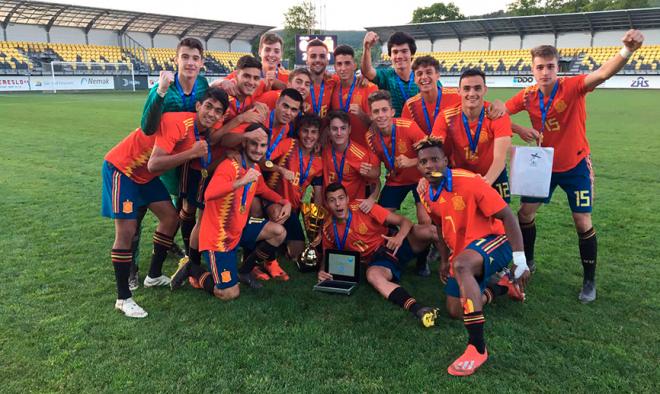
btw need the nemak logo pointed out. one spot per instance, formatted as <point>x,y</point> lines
<point>95,81</point>
<point>640,82</point>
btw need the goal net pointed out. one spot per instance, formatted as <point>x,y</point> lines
<point>89,76</point>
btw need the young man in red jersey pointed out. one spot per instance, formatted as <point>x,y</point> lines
<point>323,84</point>
<point>130,181</point>
<point>557,110</point>
<point>300,79</point>
<point>483,236</point>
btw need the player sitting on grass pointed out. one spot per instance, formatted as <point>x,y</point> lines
<point>130,181</point>
<point>481,231</point>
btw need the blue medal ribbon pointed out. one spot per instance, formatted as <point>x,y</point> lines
<point>271,148</point>
<point>188,102</point>
<point>246,188</point>
<point>305,174</point>
<point>445,182</point>
<point>317,104</point>
<point>473,141</point>
<point>204,163</point>
<point>388,156</point>
<point>341,243</point>
<point>346,107</point>
<point>435,113</point>
<point>546,107</point>
<point>340,170</point>
<point>399,81</point>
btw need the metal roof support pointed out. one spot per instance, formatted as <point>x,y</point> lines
<point>210,35</point>
<point>49,25</point>
<point>127,24</point>
<point>10,14</point>
<point>630,22</point>
<point>187,29</point>
<point>458,36</point>
<point>93,21</point>
<point>160,27</point>
<point>233,36</point>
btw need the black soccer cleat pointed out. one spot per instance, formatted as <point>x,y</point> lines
<point>181,275</point>
<point>176,251</point>
<point>531,264</point>
<point>427,316</point>
<point>588,293</point>
<point>250,280</point>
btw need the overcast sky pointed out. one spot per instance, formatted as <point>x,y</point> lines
<point>339,14</point>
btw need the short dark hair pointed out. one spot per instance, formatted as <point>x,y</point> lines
<point>333,187</point>
<point>344,50</point>
<point>425,61</point>
<point>379,95</point>
<point>298,71</point>
<point>217,94</point>
<point>293,94</point>
<point>270,38</point>
<point>316,43</point>
<point>341,115</point>
<point>400,38</point>
<point>255,126</point>
<point>191,43</point>
<point>309,119</point>
<point>472,72</point>
<point>545,52</point>
<point>248,61</point>
<point>428,142</point>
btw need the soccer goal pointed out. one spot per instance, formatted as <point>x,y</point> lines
<point>89,76</point>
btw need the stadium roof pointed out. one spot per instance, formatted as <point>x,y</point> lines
<point>643,18</point>
<point>87,18</point>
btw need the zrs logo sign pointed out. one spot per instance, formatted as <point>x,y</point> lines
<point>640,82</point>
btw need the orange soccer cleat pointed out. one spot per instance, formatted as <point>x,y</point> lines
<point>468,363</point>
<point>274,269</point>
<point>514,292</point>
<point>259,274</point>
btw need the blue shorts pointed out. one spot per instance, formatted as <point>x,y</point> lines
<point>578,184</point>
<point>404,255</point>
<point>122,197</point>
<point>496,253</point>
<point>294,230</point>
<point>192,187</point>
<point>393,196</point>
<point>224,265</point>
<point>501,184</point>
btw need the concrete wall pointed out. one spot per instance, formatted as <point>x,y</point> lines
<point>143,38</point>
<point>103,37</point>
<point>505,42</point>
<point>26,33</point>
<point>533,40</point>
<point>574,40</point>
<point>217,44</point>
<point>475,44</point>
<point>241,46</point>
<point>423,45</point>
<point>446,45</point>
<point>165,41</point>
<point>67,35</point>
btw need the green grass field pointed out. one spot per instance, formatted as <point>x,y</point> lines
<point>60,332</point>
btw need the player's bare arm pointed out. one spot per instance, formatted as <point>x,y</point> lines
<point>160,160</point>
<point>500,148</point>
<point>368,70</point>
<point>632,41</point>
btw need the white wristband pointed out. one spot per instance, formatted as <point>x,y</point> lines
<point>520,262</point>
<point>625,53</point>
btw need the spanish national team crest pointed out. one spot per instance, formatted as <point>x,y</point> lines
<point>225,277</point>
<point>127,206</point>
<point>362,229</point>
<point>560,106</point>
<point>403,148</point>
<point>483,138</point>
<point>458,203</point>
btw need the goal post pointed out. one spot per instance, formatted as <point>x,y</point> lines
<point>90,70</point>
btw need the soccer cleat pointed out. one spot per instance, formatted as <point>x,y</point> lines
<point>514,292</point>
<point>259,274</point>
<point>250,280</point>
<point>468,363</point>
<point>176,251</point>
<point>588,292</point>
<point>130,308</point>
<point>531,264</point>
<point>153,282</point>
<point>273,268</point>
<point>427,316</point>
<point>133,281</point>
<point>194,283</point>
<point>181,275</point>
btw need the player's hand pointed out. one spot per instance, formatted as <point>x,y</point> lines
<point>365,168</point>
<point>199,149</point>
<point>285,212</point>
<point>228,85</point>
<point>370,39</point>
<point>165,79</point>
<point>633,40</point>
<point>402,161</point>
<point>393,243</point>
<point>523,279</point>
<point>444,271</point>
<point>287,174</point>
<point>496,110</point>
<point>322,275</point>
<point>255,135</point>
<point>361,81</point>
<point>529,134</point>
<point>422,186</point>
<point>251,175</point>
<point>355,109</point>
<point>366,204</point>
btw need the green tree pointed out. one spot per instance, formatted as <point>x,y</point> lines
<point>525,7</point>
<point>437,12</point>
<point>299,19</point>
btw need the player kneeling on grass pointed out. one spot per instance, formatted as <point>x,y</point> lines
<point>348,228</point>
<point>481,230</point>
<point>226,224</point>
<point>130,181</point>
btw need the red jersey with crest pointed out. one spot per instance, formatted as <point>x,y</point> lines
<point>413,109</point>
<point>270,99</point>
<point>565,124</point>
<point>281,74</point>
<point>175,134</point>
<point>360,97</point>
<point>356,154</point>
<point>322,100</point>
<point>407,135</point>
<point>222,221</point>
<point>466,213</point>
<point>365,234</point>
<point>450,128</point>
<point>237,107</point>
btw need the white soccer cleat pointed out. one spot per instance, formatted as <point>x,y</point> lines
<point>153,282</point>
<point>130,308</point>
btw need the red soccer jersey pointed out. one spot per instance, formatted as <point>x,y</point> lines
<point>223,221</point>
<point>450,128</point>
<point>354,183</point>
<point>281,74</point>
<point>365,234</point>
<point>412,109</point>
<point>565,123</point>
<point>466,213</point>
<point>288,156</point>
<point>237,107</point>
<point>407,135</point>
<point>360,96</point>
<point>270,99</point>
<point>175,134</point>
<point>328,87</point>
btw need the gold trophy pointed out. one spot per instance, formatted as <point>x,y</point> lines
<point>313,216</point>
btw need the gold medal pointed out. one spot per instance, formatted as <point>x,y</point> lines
<point>242,208</point>
<point>268,164</point>
<point>205,173</point>
<point>436,174</point>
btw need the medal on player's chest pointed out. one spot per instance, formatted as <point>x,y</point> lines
<point>205,173</point>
